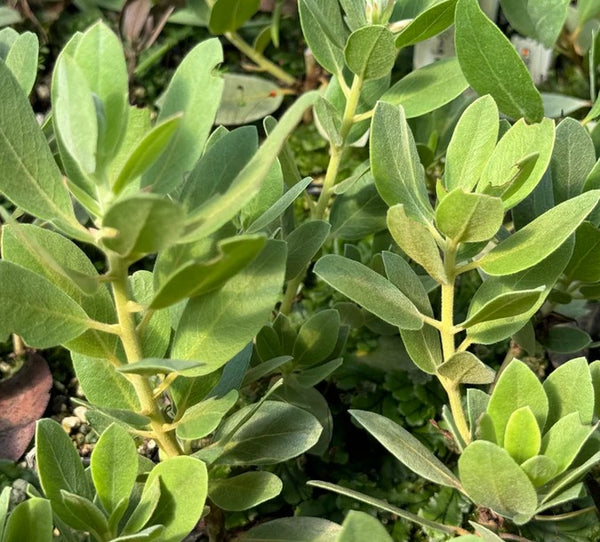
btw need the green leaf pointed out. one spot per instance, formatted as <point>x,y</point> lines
<point>153,366</point>
<point>571,476</point>
<point>30,177</point>
<point>329,120</point>
<point>586,10</point>
<point>569,389</point>
<point>142,513</point>
<point>468,218</point>
<point>229,15</point>
<point>85,515</point>
<point>466,368</point>
<point>36,309</point>
<point>355,16</point>
<point>215,327</point>
<point>540,469</point>
<point>564,440</point>
<point>511,494</point>
<point>539,19</point>
<point>492,65</point>
<point>311,377</point>
<point>595,372</point>
<point>151,534</point>
<point>194,92</point>
<point>303,243</point>
<point>369,289</point>
<point>472,144</point>
<point>573,158</point>
<point>504,306</point>
<point>477,402</point>
<point>264,368</point>
<point>9,16</point>
<point>244,491</point>
<point>146,153</point>
<point>359,526</point>
<point>142,224</point>
<point>428,88</point>
<point>540,238</point>
<point>324,32</point>
<point>523,438</point>
<point>30,520</point>
<point>183,490</point>
<point>275,433</point>
<point>417,241</point>
<point>22,59</point>
<point>218,211</point>
<point>196,278</point>
<point>294,529</point>
<point>501,173</point>
<point>370,52</point>
<point>406,448</point>
<point>317,338</point>
<point>114,484</point>
<point>398,173</point>
<point>203,418</point>
<point>427,24</point>
<point>517,387</point>
<point>59,466</point>
<point>574,492</point>
<point>585,261</point>
<point>566,339</point>
<point>558,105</point>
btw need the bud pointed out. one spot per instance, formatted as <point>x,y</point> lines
<point>379,11</point>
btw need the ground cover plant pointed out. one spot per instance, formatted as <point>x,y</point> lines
<point>198,323</point>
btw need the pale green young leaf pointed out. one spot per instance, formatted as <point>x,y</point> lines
<point>30,177</point>
<point>22,59</point>
<point>416,241</point>
<point>564,440</point>
<point>574,492</point>
<point>542,20</point>
<point>153,366</point>
<point>523,438</point>
<point>194,92</point>
<point>466,368</point>
<point>293,529</point>
<point>142,513</point>
<point>473,142</point>
<point>370,52</point>
<point>540,469</point>
<point>571,477</point>
<point>517,387</point>
<point>324,31</point>
<point>183,491</point>
<point>477,402</point>
<point>59,466</point>
<point>585,261</point>
<point>84,515</point>
<point>511,494</point>
<point>9,16</point>
<point>370,290</point>
<point>586,9</point>
<point>30,520</point>
<point>329,120</point>
<point>359,526</point>
<point>36,309</point>
<point>595,372</point>
<point>303,243</point>
<point>317,338</point>
<point>427,24</point>
<point>244,491</point>
<point>355,16</point>
<point>569,389</point>
<point>594,112</point>
<point>229,15</point>
<point>491,64</point>
<point>216,326</point>
<point>395,165</point>
<point>520,142</point>
<point>428,88</point>
<point>150,534</point>
<point>468,218</point>
<point>540,238</point>
<point>197,278</point>
<point>142,224</point>
<point>269,193</point>
<point>145,153</point>
<point>137,128</point>
<point>203,418</point>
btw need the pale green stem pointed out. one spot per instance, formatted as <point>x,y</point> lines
<point>133,350</point>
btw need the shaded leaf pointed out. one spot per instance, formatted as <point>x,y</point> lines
<point>244,491</point>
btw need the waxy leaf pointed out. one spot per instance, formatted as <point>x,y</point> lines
<point>473,141</point>
<point>395,165</point>
<point>229,15</point>
<point>510,494</point>
<point>142,224</point>
<point>539,19</point>
<point>516,388</point>
<point>244,491</point>
<point>370,290</point>
<point>406,448</point>
<point>468,218</point>
<point>360,526</point>
<point>370,52</point>
<point>566,339</point>
<point>30,520</point>
<point>417,241</point>
<point>428,88</point>
<point>427,24</point>
<point>203,418</point>
<point>466,368</point>
<point>294,529</point>
<point>523,438</point>
<point>492,65</point>
<point>540,238</point>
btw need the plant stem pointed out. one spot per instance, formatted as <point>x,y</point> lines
<point>259,59</point>
<point>133,350</point>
